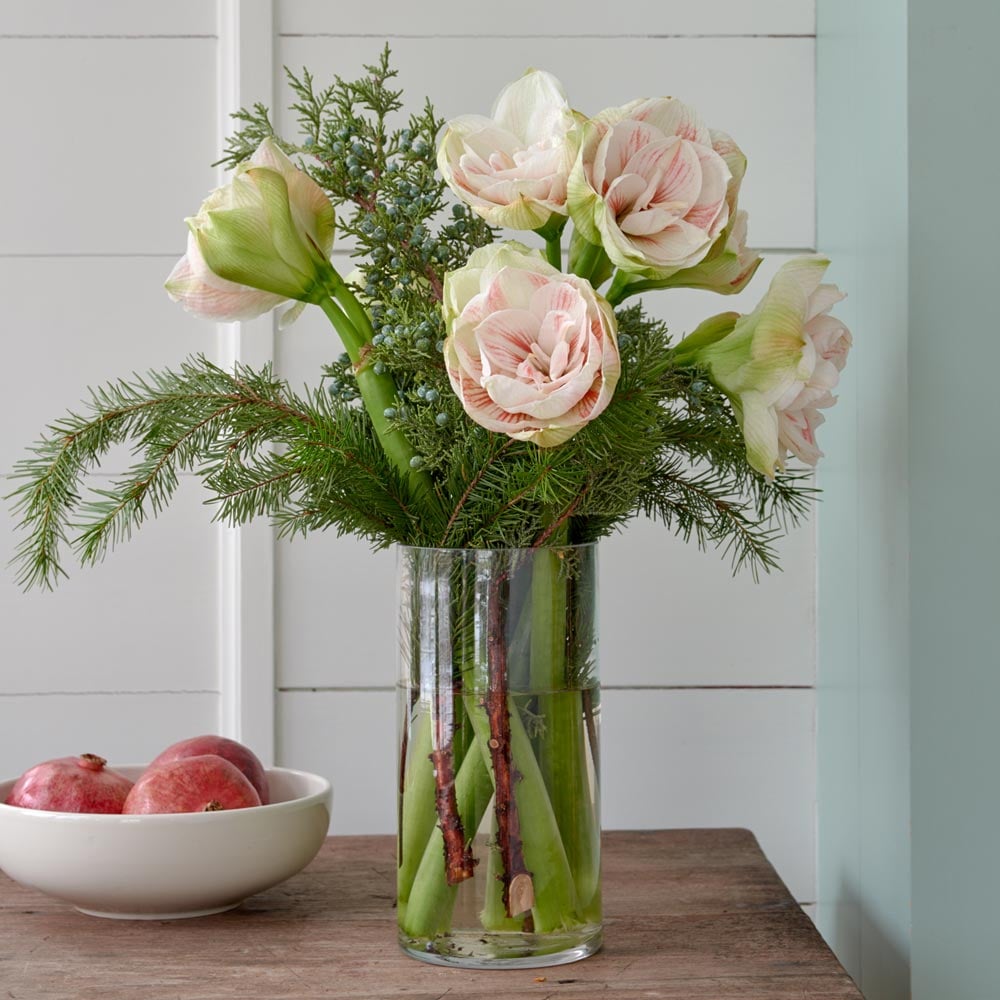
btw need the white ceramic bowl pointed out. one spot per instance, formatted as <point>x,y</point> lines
<point>165,866</point>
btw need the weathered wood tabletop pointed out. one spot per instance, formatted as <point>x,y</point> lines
<point>688,914</point>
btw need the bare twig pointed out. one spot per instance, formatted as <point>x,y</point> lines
<point>518,887</point>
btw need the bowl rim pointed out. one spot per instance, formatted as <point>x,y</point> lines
<point>52,815</point>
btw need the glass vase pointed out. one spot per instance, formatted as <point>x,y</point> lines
<point>499,706</point>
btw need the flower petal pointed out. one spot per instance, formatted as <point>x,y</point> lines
<point>505,339</point>
<point>534,108</point>
<point>760,433</point>
<point>232,305</point>
<point>673,117</point>
<point>823,300</point>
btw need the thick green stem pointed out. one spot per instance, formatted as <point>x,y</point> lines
<point>378,392</point>
<point>494,915</point>
<point>555,896</point>
<point>586,262</point>
<point>553,252</point>
<point>353,309</point>
<point>620,288</point>
<point>562,747</point>
<point>418,812</point>
<point>427,911</point>
<point>551,232</point>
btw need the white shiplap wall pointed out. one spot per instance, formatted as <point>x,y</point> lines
<point>709,680</point>
<point>108,144</point>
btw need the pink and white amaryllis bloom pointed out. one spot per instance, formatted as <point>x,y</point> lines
<point>824,357</point>
<point>780,364</point>
<point>269,230</point>
<point>650,187</point>
<point>512,168</point>
<point>531,352</point>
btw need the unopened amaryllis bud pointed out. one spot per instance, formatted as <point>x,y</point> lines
<point>259,240</point>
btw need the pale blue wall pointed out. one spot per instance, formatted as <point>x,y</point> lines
<point>955,538</point>
<point>863,683</point>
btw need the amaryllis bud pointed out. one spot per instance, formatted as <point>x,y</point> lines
<point>261,239</point>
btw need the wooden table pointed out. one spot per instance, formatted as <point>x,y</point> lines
<point>688,914</point>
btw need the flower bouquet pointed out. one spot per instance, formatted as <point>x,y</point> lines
<point>493,414</point>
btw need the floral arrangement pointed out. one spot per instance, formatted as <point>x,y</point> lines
<point>493,411</point>
<point>489,394</point>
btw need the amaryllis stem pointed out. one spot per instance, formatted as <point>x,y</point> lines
<point>562,751</point>
<point>588,716</point>
<point>518,887</point>
<point>378,392</point>
<point>553,252</point>
<point>427,911</point>
<point>619,288</point>
<point>417,813</point>
<point>585,263</point>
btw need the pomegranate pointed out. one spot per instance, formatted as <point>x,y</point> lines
<point>236,753</point>
<point>71,784</point>
<point>191,784</point>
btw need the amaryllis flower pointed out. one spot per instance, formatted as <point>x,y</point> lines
<point>531,352</point>
<point>512,168</point>
<point>779,365</point>
<point>651,188</point>
<point>726,270</point>
<point>263,238</point>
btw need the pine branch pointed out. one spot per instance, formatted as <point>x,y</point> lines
<point>703,506</point>
<point>221,425</point>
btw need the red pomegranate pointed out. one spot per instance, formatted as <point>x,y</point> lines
<point>191,784</point>
<point>71,784</point>
<point>236,753</point>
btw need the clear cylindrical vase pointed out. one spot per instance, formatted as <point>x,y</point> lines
<point>499,862</point>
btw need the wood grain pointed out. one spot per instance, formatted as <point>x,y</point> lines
<point>689,914</point>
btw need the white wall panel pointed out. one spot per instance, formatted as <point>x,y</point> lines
<point>113,148</point>
<point>81,322</point>
<point>335,613</point>
<point>144,620</point>
<point>669,759</point>
<point>123,728</point>
<point>91,18</point>
<point>560,18</point>
<point>749,80</point>
<point>716,758</point>
<point>349,736</point>
<point>113,136</point>
<point>673,615</point>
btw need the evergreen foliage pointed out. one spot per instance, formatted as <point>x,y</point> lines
<point>668,445</point>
